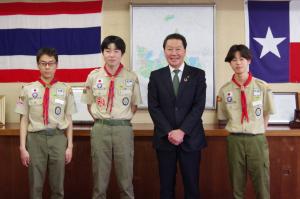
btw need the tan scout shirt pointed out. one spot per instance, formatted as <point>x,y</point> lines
<point>61,104</point>
<point>259,102</point>
<point>126,93</point>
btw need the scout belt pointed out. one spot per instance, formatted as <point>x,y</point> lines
<point>114,122</point>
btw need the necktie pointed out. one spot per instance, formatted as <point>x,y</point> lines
<point>176,81</point>
<point>111,90</point>
<point>46,98</point>
<point>243,96</point>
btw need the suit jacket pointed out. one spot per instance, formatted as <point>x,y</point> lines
<point>184,112</point>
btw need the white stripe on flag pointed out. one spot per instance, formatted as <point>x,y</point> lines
<point>64,61</point>
<point>247,42</point>
<point>294,21</point>
<point>50,21</point>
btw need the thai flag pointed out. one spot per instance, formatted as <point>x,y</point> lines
<point>273,30</point>
<point>73,28</point>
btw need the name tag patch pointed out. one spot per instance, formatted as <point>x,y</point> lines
<point>125,92</point>
<point>59,101</point>
<point>257,103</point>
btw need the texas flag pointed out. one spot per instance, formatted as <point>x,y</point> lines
<point>73,28</point>
<point>273,30</point>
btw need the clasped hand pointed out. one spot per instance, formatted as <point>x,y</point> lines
<point>176,136</point>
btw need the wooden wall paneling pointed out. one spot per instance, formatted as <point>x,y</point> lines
<point>214,180</point>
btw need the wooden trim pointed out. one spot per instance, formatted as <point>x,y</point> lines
<point>146,130</point>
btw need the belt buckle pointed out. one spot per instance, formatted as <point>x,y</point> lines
<point>50,132</point>
<point>108,122</point>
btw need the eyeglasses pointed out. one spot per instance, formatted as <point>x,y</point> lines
<point>50,64</point>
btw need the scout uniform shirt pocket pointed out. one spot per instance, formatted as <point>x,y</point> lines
<point>100,88</point>
<point>35,102</point>
<point>257,103</point>
<point>102,92</point>
<point>125,88</point>
<point>36,107</point>
<point>57,107</point>
<point>233,107</point>
<point>125,92</point>
<point>100,97</point>
<point>257,109</point>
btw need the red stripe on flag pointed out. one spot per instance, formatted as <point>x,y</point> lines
<point>64,75</point>
<point>294,62</point>
<point>50,8</point>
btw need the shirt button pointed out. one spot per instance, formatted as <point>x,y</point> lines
<point>176,109</point>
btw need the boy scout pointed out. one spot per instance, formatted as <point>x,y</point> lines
<point>112,94</point>
<point>45,107</point>
<point>246,102</point>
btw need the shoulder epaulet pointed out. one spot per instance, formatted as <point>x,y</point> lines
<point>67,86</point>
<point>28,84</point>
<point>261,82</point>
<point>127,69</point>
<point>95,70</point>
<point>133,73</point>
<point>226,84</point>
<point>63,83</point>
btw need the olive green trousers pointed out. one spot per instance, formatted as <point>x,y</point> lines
<point>249,153</point>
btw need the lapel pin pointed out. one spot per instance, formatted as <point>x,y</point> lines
<point>186,78</point>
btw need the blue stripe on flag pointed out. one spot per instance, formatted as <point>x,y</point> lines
<point>67,41</point>
<point>275,16</point>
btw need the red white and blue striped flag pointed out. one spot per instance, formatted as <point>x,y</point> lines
<point>73,28</point>
<point>273,30</point>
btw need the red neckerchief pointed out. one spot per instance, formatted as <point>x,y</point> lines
<point>243,96</point>
<point>46,98</point>
<point>112,86</point>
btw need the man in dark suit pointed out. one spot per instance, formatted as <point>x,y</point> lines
<point>176,101</point>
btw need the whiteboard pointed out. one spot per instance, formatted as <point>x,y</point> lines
<point>285,105</point>
<point>82,115</point>
<point>150,24</point>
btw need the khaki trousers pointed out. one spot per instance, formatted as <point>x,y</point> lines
<point>46,150</point>
<point>112,142</point>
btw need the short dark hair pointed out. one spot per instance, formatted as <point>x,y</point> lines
<point>244,51</point>
<point>51,52</point>
<point>118,41</point>
<point>175,36</point>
